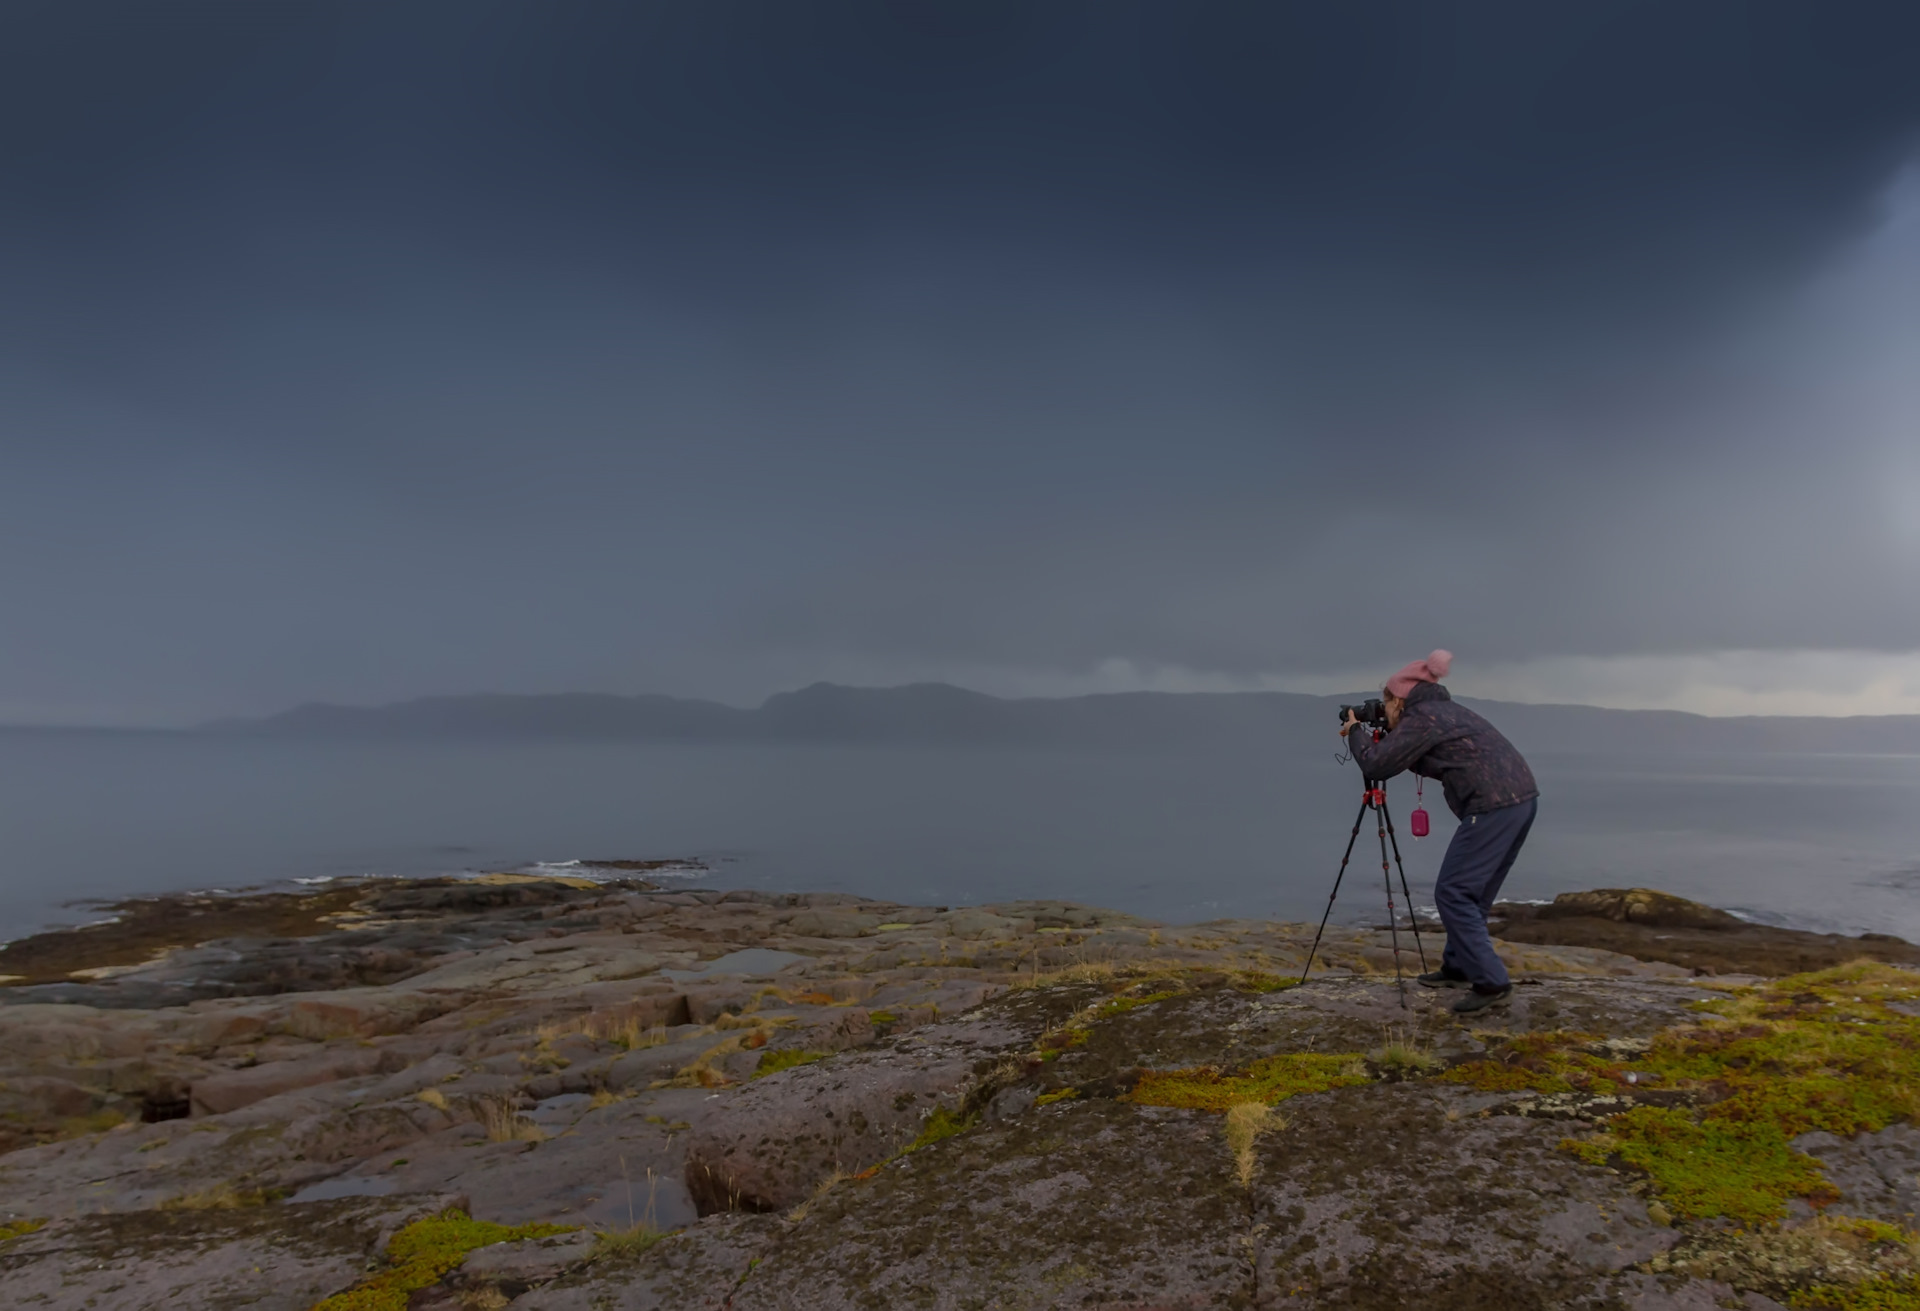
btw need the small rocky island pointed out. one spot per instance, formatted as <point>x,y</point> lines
<point>603,1096</point>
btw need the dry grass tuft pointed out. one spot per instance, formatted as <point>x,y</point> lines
<point>432,1097</point>
<point>628,1242</point>
<point>820,1190</point>
<point>625,1027</point>
<point>1245,1124</point>
<point>224,1197</point>
<point>702,1071</point>
<point>1403,1053</point>
<point>504,1123</point>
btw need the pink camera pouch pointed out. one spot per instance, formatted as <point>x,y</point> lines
<point>1417,821</point>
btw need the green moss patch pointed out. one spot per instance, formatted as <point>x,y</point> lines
<point>774,1062</point>
<point>1551,1062</point>
<point>1708,1167</point>
<point>422,1253</point>
<point>940,1125</point>
<point>1078,1027</point>
<point>625,1244</point>
<point>1208,1088</point>
<point>1901,1294</point>
<point>1814,1051</point>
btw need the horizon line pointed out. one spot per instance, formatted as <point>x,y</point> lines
<point>231,720</point>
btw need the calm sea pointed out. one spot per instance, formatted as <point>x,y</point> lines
<point>1823,841</point>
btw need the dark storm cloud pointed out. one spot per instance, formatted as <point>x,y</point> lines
<point>358,351</point>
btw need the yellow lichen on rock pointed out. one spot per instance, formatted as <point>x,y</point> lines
<point>11,1229</point>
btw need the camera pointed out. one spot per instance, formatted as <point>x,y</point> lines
<point>1371,713</point>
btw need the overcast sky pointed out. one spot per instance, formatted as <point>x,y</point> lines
<point>355,352</point>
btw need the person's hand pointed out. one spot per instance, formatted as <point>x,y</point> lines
<point>1353,722</point>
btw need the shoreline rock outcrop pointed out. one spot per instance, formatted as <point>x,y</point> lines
<point>749,1100</point>
<point>1658,926</point>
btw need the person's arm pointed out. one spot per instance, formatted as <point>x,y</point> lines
<point>1412,739</point>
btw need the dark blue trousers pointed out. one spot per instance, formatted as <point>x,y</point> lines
<point>1482,851</point>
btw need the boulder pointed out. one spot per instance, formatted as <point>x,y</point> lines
<point>1641,906</point>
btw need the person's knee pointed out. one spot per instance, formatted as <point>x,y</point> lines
<point>1451,896</point>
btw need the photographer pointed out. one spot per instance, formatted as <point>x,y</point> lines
<point>1488,787</point>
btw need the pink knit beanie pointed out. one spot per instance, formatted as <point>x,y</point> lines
<point>1431,670</point>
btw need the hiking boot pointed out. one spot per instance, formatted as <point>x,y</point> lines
<point>1445,977</point>
<point>1481,998</point>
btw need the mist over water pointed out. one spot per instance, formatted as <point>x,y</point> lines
<point>1820,841</point>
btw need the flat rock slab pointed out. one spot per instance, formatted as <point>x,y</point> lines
<point>698,1269</point>
<point>1074,1205</point>
<point>771,1144</point>
<point>234,1089</point>
<point>1402,1196</point>
<point>515,1267</point>
<point>263,1258</point>
<point>535,1050</point>
<point>1225,1027</point>
<point>749,962</point>
<point>1878,1174</point>
<point>610,1167</point>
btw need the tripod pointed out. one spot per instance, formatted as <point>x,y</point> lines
<point>1374,797</point>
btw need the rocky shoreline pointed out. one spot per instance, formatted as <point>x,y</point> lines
<point>555,1093</point>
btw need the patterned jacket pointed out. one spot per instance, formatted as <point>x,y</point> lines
<point>1437,738</point>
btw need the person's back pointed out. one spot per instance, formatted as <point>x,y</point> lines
<point>1488,786</point>
<point>1438,738</point>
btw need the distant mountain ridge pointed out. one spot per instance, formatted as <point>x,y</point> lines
<point>942,713</point>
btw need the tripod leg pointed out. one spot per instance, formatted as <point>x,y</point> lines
<point>1324,915</point>
<point>1393,918</point>
<point>1413,916</point>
